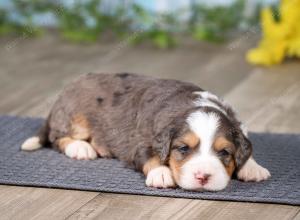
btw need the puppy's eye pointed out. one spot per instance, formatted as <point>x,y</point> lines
<point>223,153</point>
<point>183,149</point>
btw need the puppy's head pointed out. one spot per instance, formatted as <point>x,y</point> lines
<point>204,150</point>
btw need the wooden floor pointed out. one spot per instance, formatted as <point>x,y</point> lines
<point>32,72</point>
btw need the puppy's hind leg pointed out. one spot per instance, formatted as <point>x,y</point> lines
<point>36,142</point>
<point>76,149</point>
<point>101,149</point>
<point>77,146</point>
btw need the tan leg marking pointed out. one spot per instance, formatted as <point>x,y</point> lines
<point>151,164</point>
<point>63,142</point>
<point>80,129</point>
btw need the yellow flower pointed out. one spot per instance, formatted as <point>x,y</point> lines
<point>294,48</point>
<point>267,54</point>
<point>280,39</point>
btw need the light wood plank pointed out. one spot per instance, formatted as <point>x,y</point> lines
<point>115,206</point>
<point>297,217</point>
<point>268,101</point>
<point>118,206</point>
<point>235,210</point>
<point>40,203</point>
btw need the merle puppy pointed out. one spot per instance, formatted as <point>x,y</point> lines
<point>172,131</point>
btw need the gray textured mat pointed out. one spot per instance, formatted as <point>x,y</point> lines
<point>48,168</point>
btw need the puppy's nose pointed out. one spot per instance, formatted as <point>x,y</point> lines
<point>202,177</point>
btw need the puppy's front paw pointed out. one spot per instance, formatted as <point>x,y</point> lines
<point>160,177</point>
<point>252,171</point>
<point>80,150</point>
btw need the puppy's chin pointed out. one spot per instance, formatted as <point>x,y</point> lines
<point>212,185</point>
<point>218,179</point>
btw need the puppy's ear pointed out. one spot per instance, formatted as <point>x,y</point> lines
<point>243,151</point>
<point>162,143</point>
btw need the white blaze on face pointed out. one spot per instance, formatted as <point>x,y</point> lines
<point>205,161</point>
<point>205,98</point>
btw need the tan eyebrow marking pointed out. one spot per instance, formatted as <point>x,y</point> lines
<point>190,139</point>
<point>221,143</point>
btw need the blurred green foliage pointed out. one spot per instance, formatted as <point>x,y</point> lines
<point>215,23</point>
<point>8,26</point>
<point>158,29</point>
<point>86,21</point>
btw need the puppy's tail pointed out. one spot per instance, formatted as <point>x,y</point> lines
<point>38,141</point>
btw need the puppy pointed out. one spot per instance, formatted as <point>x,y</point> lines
<point>172,131</point>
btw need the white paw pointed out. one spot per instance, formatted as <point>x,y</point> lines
<point>32,143</point>
<point>160,177</point>
<point>252,171</point>
<point>80,150</point>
